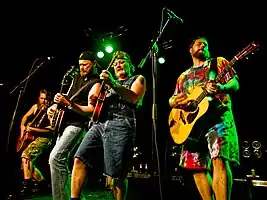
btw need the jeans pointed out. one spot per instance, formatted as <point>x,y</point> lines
<point>59,162</point>
<point>116,137</point>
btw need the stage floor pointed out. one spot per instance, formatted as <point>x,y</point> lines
<point>143,189</point>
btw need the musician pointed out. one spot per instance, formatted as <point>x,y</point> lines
<point>213,141</point>
<point>74,124</point>
<point>39,128</point>
<point>114,131</point>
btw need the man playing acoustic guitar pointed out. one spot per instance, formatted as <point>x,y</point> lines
<point>34,139</point>
<point>213,141</point>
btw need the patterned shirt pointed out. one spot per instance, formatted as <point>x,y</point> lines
<point>219,117</point>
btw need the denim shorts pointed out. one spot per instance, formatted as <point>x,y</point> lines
<point>116,137</point>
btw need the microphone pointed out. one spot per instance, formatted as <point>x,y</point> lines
<point>172,15</point>
<point>46,58</point>
<point>50,57</point>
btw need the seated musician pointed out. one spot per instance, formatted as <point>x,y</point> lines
<point>35,137</point>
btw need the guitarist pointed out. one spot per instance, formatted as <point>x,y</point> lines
<point>74,125</point>
<point>216,145</point>
<point>41,137</point>
<point>114,132</point>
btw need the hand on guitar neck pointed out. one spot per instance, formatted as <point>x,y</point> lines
<point>212,87</point>
<point>62,100</point>
<point>23,129</point>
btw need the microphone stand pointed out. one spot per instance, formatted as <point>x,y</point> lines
<point>21,92</point>
<point>153,54</point>
<point>153,50</point>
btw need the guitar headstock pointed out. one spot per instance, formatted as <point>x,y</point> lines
<point>249,49</point>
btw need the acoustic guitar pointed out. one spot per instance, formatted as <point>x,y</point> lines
<point>27,137</point>
<point>182,120</point>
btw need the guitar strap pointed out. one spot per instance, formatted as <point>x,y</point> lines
<point>78,92</point>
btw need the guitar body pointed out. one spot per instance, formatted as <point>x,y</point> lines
<point>23,142</point>
<point>27,138</point>
<point>57,120</point>
<point>98,106</point>
<point>102,95</point>
<point>181,122</point>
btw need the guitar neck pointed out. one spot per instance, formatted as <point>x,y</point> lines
<point>217,79</point>
<point>247,50</point>
<point>220,76</point>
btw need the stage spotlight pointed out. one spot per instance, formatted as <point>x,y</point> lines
<point>246,153</point>
<point>109,48</point>
<point>256,144</point>
<point>137,152</point>
<point>257,153</point>
<point>161,60</point>
<point>100,54</point>
<point>245,144</point>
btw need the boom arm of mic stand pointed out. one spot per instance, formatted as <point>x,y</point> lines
<point>143,61</point>
<point>28,76</point>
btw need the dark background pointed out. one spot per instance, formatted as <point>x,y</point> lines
<point>32,31</point>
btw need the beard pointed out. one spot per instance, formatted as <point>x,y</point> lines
<point>83,73</point>
<point>201,55</point>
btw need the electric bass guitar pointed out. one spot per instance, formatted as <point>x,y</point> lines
<point>182,120</point>
<point>102,95</point>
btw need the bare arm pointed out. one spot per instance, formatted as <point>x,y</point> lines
<point>231,86</point>
<point>132,95</point>
<point>231,83</point>
<point>25,118</point>
<point>87,110</point>
<point>27,115</point>
<point>39,130</point>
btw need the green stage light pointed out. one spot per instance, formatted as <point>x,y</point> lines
<point>100,54</point>
<point>161,60</point>
<point>109,48</point>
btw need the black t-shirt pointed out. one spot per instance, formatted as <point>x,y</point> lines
<point>70,117</point>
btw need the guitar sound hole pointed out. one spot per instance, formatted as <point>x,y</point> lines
<point>192,116</point>
<point>172,123</point>
<point>192,106</point>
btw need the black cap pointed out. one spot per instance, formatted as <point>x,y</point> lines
<point>87,55</point>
